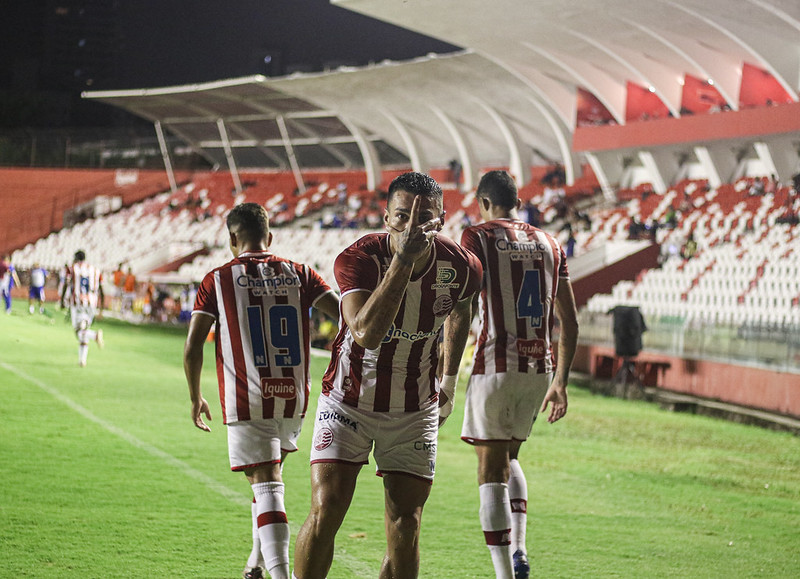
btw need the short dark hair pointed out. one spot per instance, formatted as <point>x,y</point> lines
<point>80,255</point>
<point>416,184</point>
<point>250,221</point>
<point>499,188</point>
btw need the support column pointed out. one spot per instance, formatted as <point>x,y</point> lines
<point>162,143</point>
<point>287,145</point>
<point>226,145</point>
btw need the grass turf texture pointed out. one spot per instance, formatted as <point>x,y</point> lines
<point>104,474</point>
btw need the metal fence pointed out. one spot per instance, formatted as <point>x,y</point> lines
<point>93,149</point>
<point>775,346</point>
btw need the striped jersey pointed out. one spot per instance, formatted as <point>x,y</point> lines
<point>261,305</point>
<point>522,266</point>
<point>400,374</point>
<point>84,284</point>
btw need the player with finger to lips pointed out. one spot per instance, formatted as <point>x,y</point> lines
<point>381,392</point>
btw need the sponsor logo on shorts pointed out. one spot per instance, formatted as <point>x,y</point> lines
<point>444,278</point>
<point>424,445</point>
<point>332,415</point>
<point>442,306</point>
<point>323,438</point>
<point>278,388</point>
<point>531,348</point>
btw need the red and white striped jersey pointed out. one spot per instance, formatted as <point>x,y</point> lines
<point>261,305</point>
<point>521,269</point>
<point>84,284</point>
<point>399,375</point>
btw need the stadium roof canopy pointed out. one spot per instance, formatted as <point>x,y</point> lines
<point>508,99</point>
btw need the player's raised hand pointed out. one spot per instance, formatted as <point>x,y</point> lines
<point>417,237</point>
<point>199,408</point>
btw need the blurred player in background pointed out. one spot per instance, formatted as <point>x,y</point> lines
<point>83,293</point>
<point>259,306</point>
<point>8,279</point>
<point>36,290</point>
<point>381,392</point>
<point>514,374</point>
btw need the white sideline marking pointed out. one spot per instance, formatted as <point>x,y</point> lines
<point>344,558</point>
<point>188,470</point>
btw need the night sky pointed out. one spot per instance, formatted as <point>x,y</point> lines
<point>170,42</point>
<point>166,44</point>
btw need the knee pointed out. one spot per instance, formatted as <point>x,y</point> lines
<point>405,526</point>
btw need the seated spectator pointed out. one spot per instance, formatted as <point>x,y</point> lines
<point>689,248</point>
<point>635,228</point>
<point>671,217</point>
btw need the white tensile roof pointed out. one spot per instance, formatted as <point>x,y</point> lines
<point>508,99</point>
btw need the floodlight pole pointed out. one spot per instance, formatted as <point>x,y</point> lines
<point>287,144</point>
<point>226,145</point>
<point>162,143</point>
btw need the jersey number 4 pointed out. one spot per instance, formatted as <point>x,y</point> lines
<point>529,300</point>
<point>284,336</point>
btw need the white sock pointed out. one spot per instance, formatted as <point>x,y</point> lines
<point>255,555</point>
<point>495,517</point>
<point>273,528</point>
<point>518,493</point>
<point>83,353</point>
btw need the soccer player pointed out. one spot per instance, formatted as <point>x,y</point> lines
<point>380,392</point>
<point>259,306</point>
<point>83,291</point>
<point>36,290</point>
<point>8,278</point>
<point>514,373</point>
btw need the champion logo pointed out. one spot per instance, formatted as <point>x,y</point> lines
<point>323,438</point>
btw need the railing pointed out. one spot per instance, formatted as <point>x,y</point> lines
<point>774,346</point>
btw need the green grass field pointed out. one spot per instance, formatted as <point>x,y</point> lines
<point>103,474</point>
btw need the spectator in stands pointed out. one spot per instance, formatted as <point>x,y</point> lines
<point>36,290</point>
<point>534,215</point>
<point>570,245</point>
<point>455,171</point>
<point>757,188</point>
<point>689,248</point>
<point>188,295</point>
<point>554,193</point>
<point>128,292</point>
<point>671,217</point>
<point>8,278</point>
<point>635,228</point>
<point>790,213</point>
<point>119,282</point>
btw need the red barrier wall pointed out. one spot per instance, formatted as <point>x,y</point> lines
<point>748,386</point>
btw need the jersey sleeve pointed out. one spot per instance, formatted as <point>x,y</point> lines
<point>315,285</point>
<point>470,240</point>
<point>206,300</point>
<point>563,270</point>
<point>355,270</point>
<point>474,275</point>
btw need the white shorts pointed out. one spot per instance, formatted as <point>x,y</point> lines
<point>403,442</point>
<point>80,315</point>
<point>252,443</point>
<point>503,407</point>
